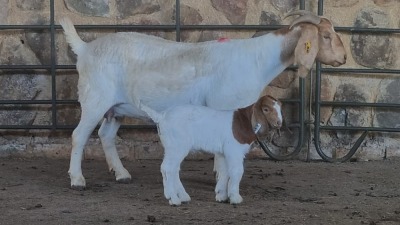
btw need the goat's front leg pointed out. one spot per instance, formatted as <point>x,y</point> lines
<point>79,138</point>
<point>221,175</point>
<point>107,132</point>
<point>173,187</point>
<point>234,164</point>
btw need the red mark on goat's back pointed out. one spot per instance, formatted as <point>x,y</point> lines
<point>223,39</point>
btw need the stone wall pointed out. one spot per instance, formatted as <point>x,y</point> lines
<point>32,47</point>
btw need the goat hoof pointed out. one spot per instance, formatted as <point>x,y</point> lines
<point>123,176</point>
<point>174,203</point>
<point>222,197</point>
<point>184,197</point>
<point>124,180</point>
<point>223,201</point>
<point>236,199</point>
<point>78,188</point>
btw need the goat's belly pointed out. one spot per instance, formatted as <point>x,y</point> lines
<point>127,110</point>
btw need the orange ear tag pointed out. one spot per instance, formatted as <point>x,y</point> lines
<point>307,46</point>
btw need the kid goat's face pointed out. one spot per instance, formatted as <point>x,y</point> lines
<point>267,113</point>
<point>272,111</point>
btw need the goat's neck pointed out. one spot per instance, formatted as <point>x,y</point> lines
<point>241,125</point>
<point>277,51</point>
<point>291,37</point>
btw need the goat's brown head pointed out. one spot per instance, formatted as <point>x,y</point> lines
<point>266,115</point>
<point>318,41</point>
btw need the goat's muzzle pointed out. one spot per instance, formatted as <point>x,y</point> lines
<point>276,125</point>
<point>341,62</point>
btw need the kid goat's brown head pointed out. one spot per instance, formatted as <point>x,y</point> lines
<point>318,41</point>
<point>266,115</point>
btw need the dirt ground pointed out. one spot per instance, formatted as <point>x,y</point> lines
<point>36,191</point>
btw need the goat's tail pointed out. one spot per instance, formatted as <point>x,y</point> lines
<point>154,115</point>
<point>77,44</point>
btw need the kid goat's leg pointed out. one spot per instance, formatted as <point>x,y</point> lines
<point>234,164</point>
<point>221,175</point>
<point>107,133</point>
<point>173,188</point>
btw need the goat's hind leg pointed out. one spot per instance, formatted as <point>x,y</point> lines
<point>107,132</point>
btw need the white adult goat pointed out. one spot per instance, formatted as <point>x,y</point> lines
<point>119,70</point>
<point>226,133</point>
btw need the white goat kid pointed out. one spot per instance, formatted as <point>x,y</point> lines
<point>119,70</point>
<point>227,133</point>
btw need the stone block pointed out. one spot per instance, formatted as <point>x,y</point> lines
<point>189,16</point>
<point>12,149</point>
<point>235,10</point>
<point>373,50</point>
<point>4,11</point>
<point>269,18</point>
<point>386,2</point>
<point>127,8</point>
<point>368,153</point>
<point>350,116</point>
<point>392,152</point>
<point>89,7</point>
<point>284,80</point>
<point>341,3</point>
<point>51,150</point>
<point>31,4</point>
<point>285,5</point>
<point>327,94</point>
<point>39,41</point>
<point>389,93</point>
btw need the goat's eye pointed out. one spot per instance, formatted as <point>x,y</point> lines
<point>265,109</point>
<point>326,35</point>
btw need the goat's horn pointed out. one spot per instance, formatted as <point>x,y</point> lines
<point>305,17</point>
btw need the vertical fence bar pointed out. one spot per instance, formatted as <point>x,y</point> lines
<point>317,102</point>
<point>317,93</point>
<point>320,7</point>
<point>53,67</point>
<point>178,20</point>
<point>302,5</point>
<point>302,98</point>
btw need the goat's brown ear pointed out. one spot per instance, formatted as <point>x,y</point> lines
<point>258,117</point>
<point>306,50</point>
